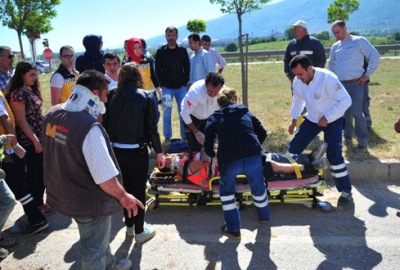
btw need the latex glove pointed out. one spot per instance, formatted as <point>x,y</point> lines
<point>19,151</point>
<point>199,137</point>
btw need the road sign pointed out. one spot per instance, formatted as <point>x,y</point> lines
<point>48,54</point>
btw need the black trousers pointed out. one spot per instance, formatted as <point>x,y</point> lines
<point>134,164</point>
<point>16,181</point>
<point>193,144</point>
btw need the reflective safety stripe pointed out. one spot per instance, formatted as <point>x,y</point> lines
<point>338,175</point>
<point>338,167</point>
<point>268,157</point>
<point>28,201</point>
<point>260,198</point>
<point>293,53</point>
<point>25,198</point>
<point>306,52</point>
<point>227,198</point>
<point>203,183</point>
<point>228,207</point>
<point>125,146</point>
<point>261,205</point>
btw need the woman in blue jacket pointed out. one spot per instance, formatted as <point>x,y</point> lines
<point>240,135</point>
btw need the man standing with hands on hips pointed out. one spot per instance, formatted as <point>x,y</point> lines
<point>326,100</point>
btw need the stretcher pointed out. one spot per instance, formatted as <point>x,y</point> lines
<point>167,188</point>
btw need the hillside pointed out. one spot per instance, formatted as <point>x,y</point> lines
<point>373,15</point>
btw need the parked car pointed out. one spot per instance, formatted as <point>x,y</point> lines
<point>42,67</point>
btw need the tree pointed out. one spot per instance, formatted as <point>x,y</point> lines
<point>289,33</point>
<point>28,17</point>
<point>341,9</point>
<point>197,26</point>
<point>240,7</point>
<point>231,47</point>
<point>396,36</point>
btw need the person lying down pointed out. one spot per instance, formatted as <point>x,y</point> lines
<point>288,166</point>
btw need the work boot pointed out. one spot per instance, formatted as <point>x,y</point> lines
<point>361,149</point>
<point>320,164</point>
<point>319,152</point>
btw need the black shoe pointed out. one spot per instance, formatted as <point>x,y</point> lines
<point>320,164</point>
<point>7,243</point>
<point>319,152</point>
<point>32,229</point>
<point>235,234</point>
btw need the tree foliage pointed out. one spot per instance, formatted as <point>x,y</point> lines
<point>324,35</point>
<point>341,9</point>
<point>289,33</point>
<point>28,17</point>
<point>197,26</point>
<point>240,7</point>
<point>231,47</point>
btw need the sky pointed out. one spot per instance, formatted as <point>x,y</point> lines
<point>115,20</point>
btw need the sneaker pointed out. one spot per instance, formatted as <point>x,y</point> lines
<point>319,152</point>
<point>46,210</point>
<point>32,229</point>
<point>7,243</point>
<point>123,264</point>
<point>320,164</point>
<point>361,149</point>
<point>3,253</point>
<point>345,198</point>
<point>130,231</point>
<point>146,235</point>
<point>235,234</point>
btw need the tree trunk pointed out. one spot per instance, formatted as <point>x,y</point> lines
<point>20,45</point>
<point>244,86</point>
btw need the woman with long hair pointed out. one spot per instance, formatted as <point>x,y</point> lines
<point>240,135</point>
<point>131,123</point>
<point>26,103</point>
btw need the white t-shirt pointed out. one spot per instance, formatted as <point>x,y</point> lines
<point>112,83</point>
<point>57,81</point>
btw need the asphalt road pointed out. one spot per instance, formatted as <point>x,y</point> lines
<point>364,235</point>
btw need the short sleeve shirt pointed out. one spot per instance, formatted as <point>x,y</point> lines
<point>33,115</point>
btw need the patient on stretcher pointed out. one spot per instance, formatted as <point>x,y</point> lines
<point>276,167</point>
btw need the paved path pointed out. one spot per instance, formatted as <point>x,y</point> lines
<point>363,236</point>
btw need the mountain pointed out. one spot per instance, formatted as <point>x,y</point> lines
<point>373,16</point>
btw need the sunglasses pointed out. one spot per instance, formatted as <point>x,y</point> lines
<point>9,56</point>
<point>68,56</point>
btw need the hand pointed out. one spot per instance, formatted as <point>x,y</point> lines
<point>397,126</point>
<point>323,122</point>
<point>199,137</point>
<point>160,161</point>
<point>10,138</point>
<point>19,151</point>
<point>362,79</point>
<point>38,147</point>
<point>292,127</point>
<point>130,203</point>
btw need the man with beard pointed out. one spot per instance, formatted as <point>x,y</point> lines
<point>172,69</point>
<point>65,76</point>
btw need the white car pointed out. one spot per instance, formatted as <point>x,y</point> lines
<point>42,67</point>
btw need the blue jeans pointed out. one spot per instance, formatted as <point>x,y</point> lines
<point>367,101</point>
<point>7,202</point>
<point>179,95</point>
<point>156,102</point>
<point>252,168</point>
<point>355,111</point>
<point>333,137</point>
<point>95,241</point>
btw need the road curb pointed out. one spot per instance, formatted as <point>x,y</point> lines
<point>377,170</point>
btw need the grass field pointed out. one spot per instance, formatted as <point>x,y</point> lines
<point>270,100</point>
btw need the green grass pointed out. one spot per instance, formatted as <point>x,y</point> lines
<point>270,100</point>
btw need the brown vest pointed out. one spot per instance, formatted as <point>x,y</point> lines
<point>70,187</point>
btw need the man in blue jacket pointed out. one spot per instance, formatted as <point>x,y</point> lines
<point>303,43</point>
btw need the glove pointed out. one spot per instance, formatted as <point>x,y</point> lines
<point>19,151</point>
<point>199,137</point>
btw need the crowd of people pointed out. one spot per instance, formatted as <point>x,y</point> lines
<point>90,151</point>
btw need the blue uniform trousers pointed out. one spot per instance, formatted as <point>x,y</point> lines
<point>333,137</point>
<point>252,168</point>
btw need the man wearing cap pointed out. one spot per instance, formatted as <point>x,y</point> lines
<point>303,43</point>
